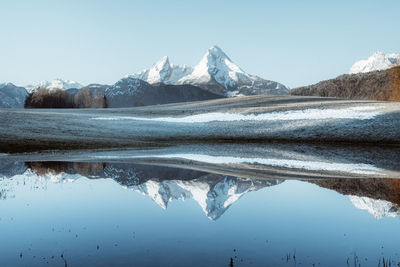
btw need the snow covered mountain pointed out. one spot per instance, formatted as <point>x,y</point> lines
<point>215,72</point>
<point>12,96</point>
<point>378,208</point>
<point>55,84</point>
<point>214,193</point>
<point>163,72</point>
<point>378,61</point>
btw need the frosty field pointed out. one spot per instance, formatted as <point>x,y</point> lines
<point>260,118</point>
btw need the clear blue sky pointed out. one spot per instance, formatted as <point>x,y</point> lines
<point>293,42</point>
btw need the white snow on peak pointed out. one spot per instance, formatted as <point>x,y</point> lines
<point>159,71</point>
<point>378,208</point>
<point>215,64</point>
<point>55,84</point>
<point>378,61</point>
<point>215,72</point>
<point>163,72</point>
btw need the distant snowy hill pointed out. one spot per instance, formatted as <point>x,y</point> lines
<point>55,84</point>
<point>378,61</point>
<point>215,72</point>
<point>12,96</point>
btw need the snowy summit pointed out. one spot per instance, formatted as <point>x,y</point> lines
<point>163,72</point>
<point>378,61</point>
<point>215,72</point>
<point>215,65</point>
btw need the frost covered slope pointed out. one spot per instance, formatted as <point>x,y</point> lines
<point>12,96</point>
<point>55,84</point>
<point>215,72</point>
<point>378,61</point>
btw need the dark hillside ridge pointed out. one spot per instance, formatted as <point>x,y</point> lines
<point>384,189</point>
<point>132,92</point>
<point>376,85</point>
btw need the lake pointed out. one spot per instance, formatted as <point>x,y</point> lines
<point>152,212</point>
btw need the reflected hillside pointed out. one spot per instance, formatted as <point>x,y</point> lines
<point>380,197</point>
<point>213,192</point>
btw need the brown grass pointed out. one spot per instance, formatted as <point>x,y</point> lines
<point>392,93</point>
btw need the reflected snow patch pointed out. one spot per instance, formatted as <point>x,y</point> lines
<point>357,113</point>
<point>287,163</point>
<point>354,168</point>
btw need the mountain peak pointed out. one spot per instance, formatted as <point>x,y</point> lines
<point>377,61</point>
<point>159,71</point>
<point>217,51</point>
<point>162,63</point>
<point>216,66</point>
<point>163,72</point>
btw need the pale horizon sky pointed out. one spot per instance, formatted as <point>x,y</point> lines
<point>292,42</point>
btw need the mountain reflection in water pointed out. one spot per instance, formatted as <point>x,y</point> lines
<point>108,214</point>
<point>215,193</point>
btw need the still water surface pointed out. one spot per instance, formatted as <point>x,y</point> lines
<point>124,214</point>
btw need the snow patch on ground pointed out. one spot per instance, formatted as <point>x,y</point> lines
<point>358,113</point>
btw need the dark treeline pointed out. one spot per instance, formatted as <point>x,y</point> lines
<point>57,98</point>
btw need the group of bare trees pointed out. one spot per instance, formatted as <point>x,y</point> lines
<point>87,98</point>
<point>57,98</point>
